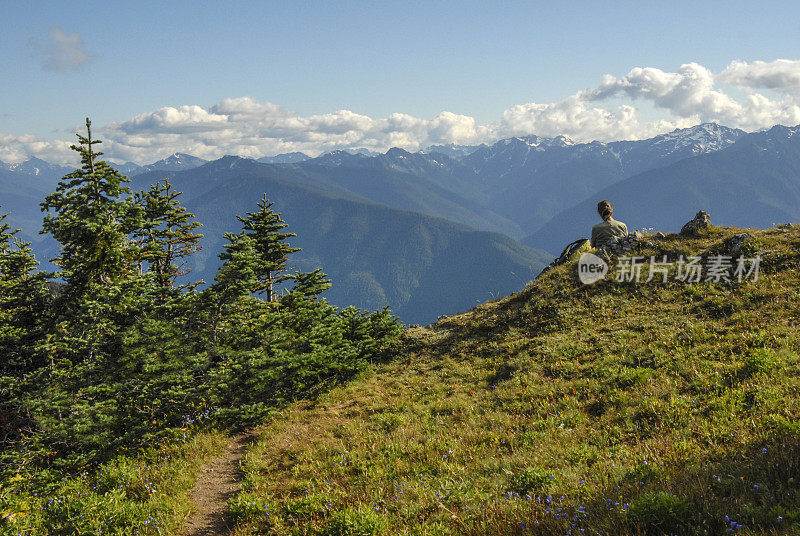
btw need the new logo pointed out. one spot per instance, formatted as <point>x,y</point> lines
<point>591,268</point>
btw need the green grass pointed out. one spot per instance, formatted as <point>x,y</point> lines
<point>613,409</point>
<point>143,495</point>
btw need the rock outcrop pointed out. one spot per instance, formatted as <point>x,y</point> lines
<point>701,221</point>
<point>621,244</point>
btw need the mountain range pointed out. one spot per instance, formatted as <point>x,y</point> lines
<point>431,232</point>
<point>421,265</point>
<point>754,182</point>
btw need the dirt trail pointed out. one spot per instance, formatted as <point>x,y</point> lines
<point>218,481</point>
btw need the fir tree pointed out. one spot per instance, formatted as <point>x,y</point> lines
<point>5,233</point>
<point>309,284</point>
<point>254,260</point>
<point>91,215</point>
<point>238,275</point>
<point>23,303</point>
<point>167,233</point>
<point>89,218</point>
<point>235,280</point>
<point>265,228</point>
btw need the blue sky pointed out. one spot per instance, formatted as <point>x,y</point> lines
<point>118,60</point>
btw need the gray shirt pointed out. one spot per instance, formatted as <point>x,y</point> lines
<point>604,232</point>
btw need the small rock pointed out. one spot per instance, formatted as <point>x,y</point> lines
<point>735,243</point>
<point>660,235</point>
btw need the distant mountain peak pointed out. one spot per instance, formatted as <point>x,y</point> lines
<point>36,166</point>
<point>709,128</point>
<point>563,141</point>
<point>537,141</point>
<point>35,160</point>
<point>180,159</point>
<point>789,132</point>
<point>230,160</point>
<point>285,158</point>
<point>701,138</point>
<point>174,162</point>
<point>452,150</point>
<point>397,152</point>
<point>339,157</point>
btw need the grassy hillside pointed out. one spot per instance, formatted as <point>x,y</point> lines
<point>612,409</point>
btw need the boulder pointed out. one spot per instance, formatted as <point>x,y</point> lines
<point>701,221</point>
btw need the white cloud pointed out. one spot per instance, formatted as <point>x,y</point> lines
<point>578,118</point>
<point>688,96</point>
<point>779,74</point>
<point>244,126</point>
<point>687,92</point>
<point>15,149</point>
<point>181,120</point>
<point>248,127</point>
<point>62,51</point>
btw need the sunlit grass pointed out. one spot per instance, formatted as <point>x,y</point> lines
<point>610,409</point>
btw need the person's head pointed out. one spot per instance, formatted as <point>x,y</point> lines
<point>605,210</point>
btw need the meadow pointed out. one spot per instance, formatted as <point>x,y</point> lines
<point>617,408</point>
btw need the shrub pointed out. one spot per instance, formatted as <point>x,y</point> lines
<point>353,522</point>
<point>760,360</point>
<point>528,479</point>
<point>660,513</point>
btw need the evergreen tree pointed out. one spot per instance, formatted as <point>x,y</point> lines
<point>254,260</point>
<point>89,218</point>
<point>308,285</point>
<point>23,303</point>
<point>91,215</point>
<point>238,275</point>
<point>235,280</point>
<point>265,228</point>
<point>5,233</point>
<point>167,234</point>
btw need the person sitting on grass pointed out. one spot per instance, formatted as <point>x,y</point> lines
<point>605,233</point>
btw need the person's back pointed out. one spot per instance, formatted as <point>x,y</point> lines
<point>604,233</point>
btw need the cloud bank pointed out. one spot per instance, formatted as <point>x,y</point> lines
<point>764,94</point>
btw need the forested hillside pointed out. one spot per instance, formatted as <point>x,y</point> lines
<point>422,266</point>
